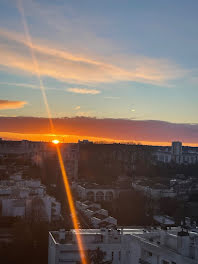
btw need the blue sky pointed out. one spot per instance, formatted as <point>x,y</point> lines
<point>117,59</point>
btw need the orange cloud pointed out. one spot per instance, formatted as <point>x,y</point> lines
<point>117,130</point>
<point>66,66</point>
<point>6,104</point>
<point>83,91</point>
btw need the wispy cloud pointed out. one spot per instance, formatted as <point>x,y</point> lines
<point>83,91</point>
<point>112,97</point>
<point>77,107</point>
<point>67,66</point>
<point>31,86</point>
<point>26,85</point>
<point>6,104</point>
<point>84,114</point>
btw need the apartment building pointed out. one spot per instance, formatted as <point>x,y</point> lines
<point>127,246</point>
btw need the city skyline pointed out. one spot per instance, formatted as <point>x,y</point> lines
<point>119,72</point>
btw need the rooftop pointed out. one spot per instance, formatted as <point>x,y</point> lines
<point>104,224</point>
<point>93,208</point>
<point>99,216</point>
<point>149,235</point>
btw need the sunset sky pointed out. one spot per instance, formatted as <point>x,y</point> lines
<point>113,70</point>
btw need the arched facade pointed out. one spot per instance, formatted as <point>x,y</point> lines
<point>109,196</point>
<point>100,196</point>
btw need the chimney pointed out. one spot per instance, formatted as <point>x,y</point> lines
<point>62,234</point>
<point>183,243</point>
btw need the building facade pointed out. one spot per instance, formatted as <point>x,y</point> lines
<point>176,155</point>
<point>95,192</point>
<point>97,216</point>
<point>27,199</point>
<point>126,246</point>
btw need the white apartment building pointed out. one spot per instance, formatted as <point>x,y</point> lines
<point>13,207</point>
<point>27,198</point>
<point>97,216</point>
<point>23,147</point>
<point>176,154</point>
<point>155,193</point>
<point>95,192</point>
<point>176,148</point>
<point>70,156</point>
<point>126,246</point>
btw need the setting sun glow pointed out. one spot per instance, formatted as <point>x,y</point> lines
<point>55,141</point>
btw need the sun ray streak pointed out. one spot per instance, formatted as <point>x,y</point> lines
<point>62,167</point>
<point>71,205</point>
<point>35,63</point>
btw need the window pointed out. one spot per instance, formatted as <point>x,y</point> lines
<point>173,262</point>
<point>119,256</point>
<point>64,260</point>
<point>68,251</point>
<point>150,254</point>
<point>165,262</point>
<point>112,255</point>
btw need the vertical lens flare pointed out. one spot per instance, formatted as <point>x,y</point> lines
<point>63,171</point>
<point>35,63</point>
<point>71,205</point>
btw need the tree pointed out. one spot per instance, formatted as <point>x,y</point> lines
<point>97,256</point>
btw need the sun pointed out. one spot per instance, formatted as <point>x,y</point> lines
<point>55,141</point>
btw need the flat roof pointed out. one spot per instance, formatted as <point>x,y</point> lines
<point>69,234</point>
<point>126,231</point>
